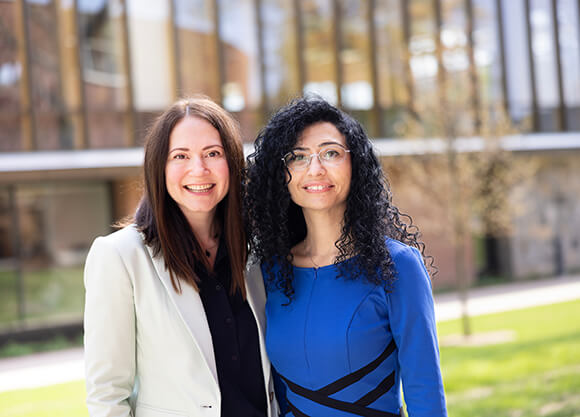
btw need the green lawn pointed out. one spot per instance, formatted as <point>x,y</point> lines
<point>63,400</point>
<point>534,375</point>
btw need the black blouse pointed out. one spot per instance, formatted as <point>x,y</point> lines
<point>235,341</point>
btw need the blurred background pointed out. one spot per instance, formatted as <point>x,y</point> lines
<point>473,106</point>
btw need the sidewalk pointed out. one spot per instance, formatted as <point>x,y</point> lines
<point>67,365</point>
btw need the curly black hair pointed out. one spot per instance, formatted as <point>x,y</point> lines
<point>275,224</point>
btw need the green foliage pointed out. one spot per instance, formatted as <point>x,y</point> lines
<point>534,375</point>
<point>26,348</point>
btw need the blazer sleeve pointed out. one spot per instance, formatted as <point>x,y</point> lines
<point>109,324</point>
<point>412,319</point>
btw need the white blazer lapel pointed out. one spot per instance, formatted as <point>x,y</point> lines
<point>191,311</point>
<point>257,300</point>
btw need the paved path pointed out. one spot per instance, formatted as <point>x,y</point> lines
<point>67,365</point>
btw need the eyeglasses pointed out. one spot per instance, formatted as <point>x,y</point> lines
<point>299,160</point>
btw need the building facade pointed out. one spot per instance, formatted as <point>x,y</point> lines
<point>81,80</point>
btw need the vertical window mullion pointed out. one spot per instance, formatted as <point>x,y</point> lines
<point>129,110</point>
<point>372,33</point>
<point>28,132</point>
<point>502,57</point>
<point>475,103</point>
<point>531,63</point>
<point>562,119</point>
<point>337,48</point>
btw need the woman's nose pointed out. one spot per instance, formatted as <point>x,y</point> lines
<point>197,166</point>
<point>315,166</point>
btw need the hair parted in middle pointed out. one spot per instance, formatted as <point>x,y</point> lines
<point>275,224</point>
<point>159,217</point>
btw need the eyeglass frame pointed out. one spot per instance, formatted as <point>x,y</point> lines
<point>312,155</point>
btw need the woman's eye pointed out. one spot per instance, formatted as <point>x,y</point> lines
<point>331,154</point>
<point>299,157</point>
<point>213,154</point>
<point>179,156</point>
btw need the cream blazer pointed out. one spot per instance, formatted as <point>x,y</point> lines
<point>148,349</point>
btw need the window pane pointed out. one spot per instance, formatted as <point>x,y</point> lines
<point>545,63</point>
<point>197,41</point>
<point>516,56</point>
<point>241,91</point>
<point>318,53</point>
<point>10,71</point>
<point>356,90</point>
<point>280,60</point>
<point>57,224</point>
<point>455,55</point>
<point>101,58</point>
<point>390,50</point>
<point>569,27</point>
<point>423,61</point>
<point>8,278</point>
<point>149,39</point>
<point>487,54</point>
<point>46,88</point>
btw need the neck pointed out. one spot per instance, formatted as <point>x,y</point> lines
<point>204,228</point>
<point>323,230</point>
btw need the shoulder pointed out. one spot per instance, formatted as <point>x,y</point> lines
<point>123,241</point>
<point>402,253</point>
<point>408,264</point>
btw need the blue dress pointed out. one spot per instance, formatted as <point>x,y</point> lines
<point>343,347</point>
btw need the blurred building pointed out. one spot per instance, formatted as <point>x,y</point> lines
<point>81,80</point>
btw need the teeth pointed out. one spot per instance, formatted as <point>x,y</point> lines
<point>316,187</point>
<point>203,187</point>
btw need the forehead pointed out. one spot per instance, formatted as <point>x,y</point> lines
<point>319,133</point>
<point>194,131</point>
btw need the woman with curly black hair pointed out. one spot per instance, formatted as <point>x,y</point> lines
<point>349,310</point>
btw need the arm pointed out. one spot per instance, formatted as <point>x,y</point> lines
<point>109,324</point>
<point>412,319</point>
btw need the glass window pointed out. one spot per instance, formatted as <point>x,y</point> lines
<point>241,91</point>
<point>10,71</point>
<point>280,52</point>
<point>423,61</point>
<point>151,62</point>
<point>197,43</point>
<point>487,55</point>
<point>101,57</point>
<point>569,27</point>
<point>455,56</point>
<point>390,50</point>
<point>545,63</point>
<point>56,226</point>
<point>356,90</point>
<point>318,54</point>
<point>46,88</point>
<point>9,305</point>
<point>516,56</point>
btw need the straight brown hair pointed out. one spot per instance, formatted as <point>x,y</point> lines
<point>160,219</point>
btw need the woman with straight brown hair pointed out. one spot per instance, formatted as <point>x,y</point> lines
<point>171,326</point>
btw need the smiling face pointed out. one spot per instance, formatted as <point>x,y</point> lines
<point>321,186</point>
<point>196,172</point>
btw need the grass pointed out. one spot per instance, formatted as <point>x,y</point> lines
<point>62,400</point>
<point>535,375</point>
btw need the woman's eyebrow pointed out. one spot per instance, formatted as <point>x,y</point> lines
<point>179,149</point>
<point>212,146</point>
